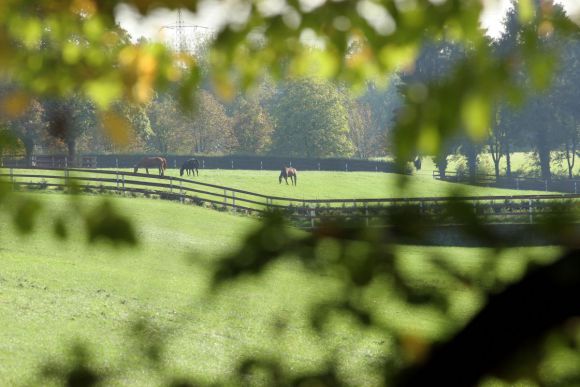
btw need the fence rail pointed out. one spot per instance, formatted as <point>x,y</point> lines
<point>513,182</point>
<point>246,162</point>
<point>304,212</point>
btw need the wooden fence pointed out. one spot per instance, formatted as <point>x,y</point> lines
<point>305,213</point>
<point>515,182</point>
<point>244,162</point>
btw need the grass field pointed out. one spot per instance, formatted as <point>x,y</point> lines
<point>341,185</point>
<point>54,293</point>
<point>337,185</point>
<point>523,164</point>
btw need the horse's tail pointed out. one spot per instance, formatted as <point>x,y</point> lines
<point>163,163</point>
<point>295,177</point>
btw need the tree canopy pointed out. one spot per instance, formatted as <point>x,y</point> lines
<point>73,51</point>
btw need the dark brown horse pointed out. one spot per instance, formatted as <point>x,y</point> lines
<point>288,172</point>
<point>152,162</point>
<point>191,165</point>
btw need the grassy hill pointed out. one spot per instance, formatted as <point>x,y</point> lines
<point>55,293</point>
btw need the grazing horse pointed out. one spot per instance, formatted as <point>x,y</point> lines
<point>288,172</point>
<point>191,165</point>
<point>417,163</point>
<point>152,162</point>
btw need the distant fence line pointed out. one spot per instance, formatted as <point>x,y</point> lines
<point>306,213</point>
<point>209,162</point>
<point>514,182</point>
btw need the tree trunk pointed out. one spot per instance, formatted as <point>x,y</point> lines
<point>72,151</point>
<point>544,155</point>
<point>28,149</point>
<point>441,163</point>
<point>571,158</point>
<point>472,163</point>
<point>508,160</point>
<point>495,151</point>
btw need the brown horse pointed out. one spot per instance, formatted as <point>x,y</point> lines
<point>288,172</point>
<point>152,162</point>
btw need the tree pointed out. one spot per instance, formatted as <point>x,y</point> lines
<point>379,105</point>
<point>70,118</point>
<point>252,127</point>
<point>310,121</point>
<point>209,127</point>
<point>29,128</point>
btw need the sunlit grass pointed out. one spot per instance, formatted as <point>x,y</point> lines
<point>53,293</point>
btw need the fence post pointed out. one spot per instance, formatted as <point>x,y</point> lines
<point>531,211</point>
<point>260,165</point>
<point>319,166</point>
<point>117,178</point>
<point>174,164</point>
<point>65,162</point>
<point>366,214</point>
<point>546,181</point>
<point>170,184</point>
<point>346,167</point>
<point>376,168</point>
<point>517,183</point>
<point>123,184</point>
<point>116,163</point>
<point>234,200</point>
<point>181,191</point>
<point>312,216</point>
<point>203,163</point>
<point>225,198</point>
<point>232,164</point>
<point>575,191</point>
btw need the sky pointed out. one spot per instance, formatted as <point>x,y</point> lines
<point>212,15</point>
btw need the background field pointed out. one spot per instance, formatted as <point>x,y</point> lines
<point>523,164</point>
<point>54,293</point>
<point>340,185</point>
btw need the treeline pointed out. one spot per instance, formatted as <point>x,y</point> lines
<point>298,118</point>
<point>541,114</point>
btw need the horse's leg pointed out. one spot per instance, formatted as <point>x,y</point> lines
<point>286,180</point>
<point>147,170</point>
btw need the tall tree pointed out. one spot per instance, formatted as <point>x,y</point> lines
<point>252,127</point>
<point>310,120</point>
<point>30,128</point>
<point>68,119</point>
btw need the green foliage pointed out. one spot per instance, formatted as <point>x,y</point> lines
<point>252,127</point>
<point>310,120</point>
<point>73,50</point>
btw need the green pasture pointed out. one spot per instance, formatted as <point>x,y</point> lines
<point>324,184</point>
<point>523,164</point>
<point>56,293</point>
